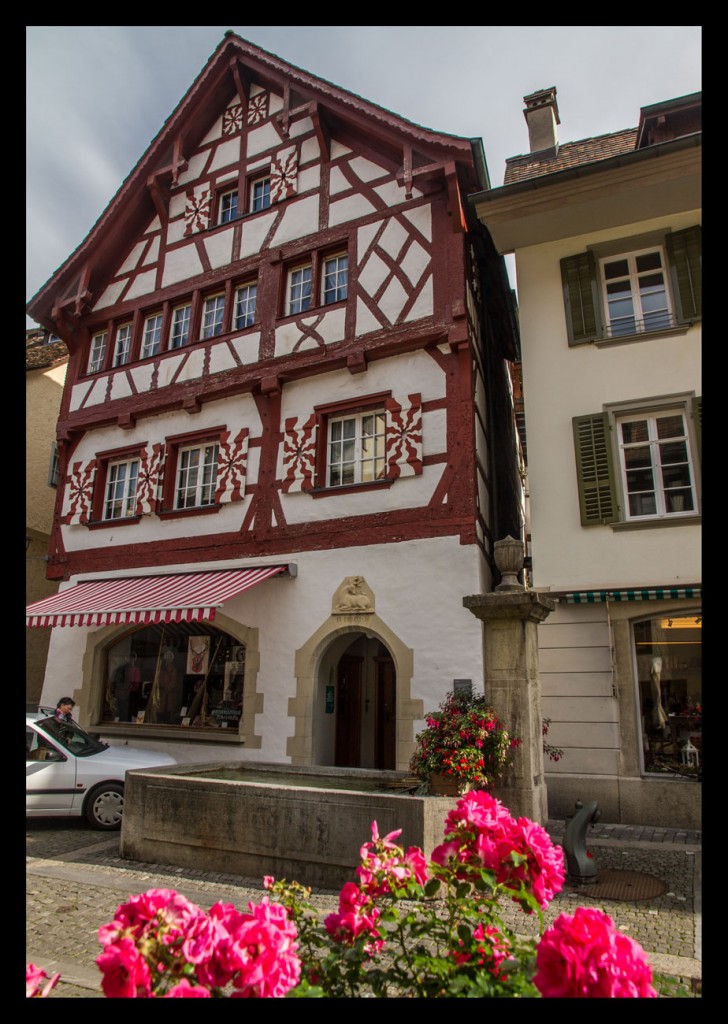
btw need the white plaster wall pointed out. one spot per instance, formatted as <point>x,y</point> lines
<point>350,208</point>
<point>562,382</point>
<point>219,247</point>
<point>152,253</point>
<point>300,218</point>
<point>180,264</point>
<point>195,167</point>
<point>133,258</point>
<point>226,153</point>
<point>418,586</point>
<point>260,139</point>
<point>331,329</point>
<point>142,284</point>
<point>254,233</point>
<point>110,294</point>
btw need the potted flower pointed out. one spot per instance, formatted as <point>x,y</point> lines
<point>465,746</point>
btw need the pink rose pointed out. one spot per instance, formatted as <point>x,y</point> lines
<point>585,956</point>
<point>183,990</point>
<point>34,978</point>
<point>125,971</point>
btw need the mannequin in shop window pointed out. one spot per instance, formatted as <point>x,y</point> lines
<point>170,688</point>
<point>127,683</point>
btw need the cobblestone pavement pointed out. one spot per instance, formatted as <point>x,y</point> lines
<point>75,880</point>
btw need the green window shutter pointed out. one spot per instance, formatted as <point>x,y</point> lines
<point>595,470</point>
<point>684,251</point>
<point>581,298</point>
<point>698,424</point>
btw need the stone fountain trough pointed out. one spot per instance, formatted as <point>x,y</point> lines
<point>304,824</point>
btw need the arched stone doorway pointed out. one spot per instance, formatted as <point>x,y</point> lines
<point>353,704</point>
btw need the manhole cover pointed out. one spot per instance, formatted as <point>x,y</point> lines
<point>613,884</point>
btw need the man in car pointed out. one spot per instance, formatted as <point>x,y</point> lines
<point>64,709</point>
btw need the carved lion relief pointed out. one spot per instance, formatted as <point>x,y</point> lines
<point>354,597</point>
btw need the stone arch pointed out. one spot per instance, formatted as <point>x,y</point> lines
<point>308,661</point>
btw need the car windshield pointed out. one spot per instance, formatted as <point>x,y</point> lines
<point>71,736</point>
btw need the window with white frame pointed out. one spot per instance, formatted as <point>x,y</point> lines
<point>228,206</point>
<point>259,194</point>
<point>635,292</point>
<point>121,488</point>
<point>196,476</point>
<point>97,354</point>
<point>299,289</point>
<point>639,463</point>
<point>633,287</point>
<point>356,448</point>
<point>335,278</point>
<point>213,314</point>
<point>179,332</point>
<point>122,345</point>
<point>152,337</point>
<point>245,302</point>
<point>54,468</point>
<point>657,471</point>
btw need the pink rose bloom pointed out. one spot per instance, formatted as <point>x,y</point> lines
<point>352,919</point>
<point>544,871</point>
<point>586,957</point>
<point>34,978</point>
<point>183,990</point>
<point>266,941</point>
<point>201,939</point>
<point>141,910</point>
<point>125,971</point>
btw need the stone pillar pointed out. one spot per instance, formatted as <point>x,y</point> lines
<point>510,617</point>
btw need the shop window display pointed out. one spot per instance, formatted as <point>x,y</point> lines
<point>669,667</point>
<point>184,675</point>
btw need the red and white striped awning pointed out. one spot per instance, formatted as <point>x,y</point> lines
<point>146,599</point>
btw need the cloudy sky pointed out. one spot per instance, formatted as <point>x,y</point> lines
<point>97,95</point>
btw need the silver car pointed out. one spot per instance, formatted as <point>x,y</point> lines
<point>69,773</point>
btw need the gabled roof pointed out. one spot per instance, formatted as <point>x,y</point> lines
<point>230,68</point>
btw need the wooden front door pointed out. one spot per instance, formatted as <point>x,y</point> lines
<point>386,720</point>
<point>347,752</point>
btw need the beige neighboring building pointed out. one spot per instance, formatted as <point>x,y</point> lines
<point>46,361</point>
<point>606,235</point>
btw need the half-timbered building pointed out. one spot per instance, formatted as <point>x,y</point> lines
<point>286,440</point>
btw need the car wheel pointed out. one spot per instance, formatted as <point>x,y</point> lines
<point>104,806</point>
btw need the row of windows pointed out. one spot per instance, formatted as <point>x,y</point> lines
<point>327,278</point>
<point>356,453</point>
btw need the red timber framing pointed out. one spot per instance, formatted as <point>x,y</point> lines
<point>183,308</point>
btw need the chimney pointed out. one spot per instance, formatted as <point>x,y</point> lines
<point>542,116</point>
